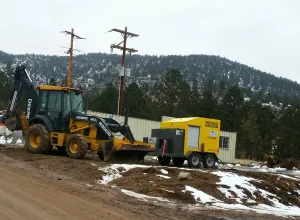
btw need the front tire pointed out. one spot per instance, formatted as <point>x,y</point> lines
<point>76,146</point>
<point>37,139</point>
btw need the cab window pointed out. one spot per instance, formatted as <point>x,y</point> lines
<point>50,101</point>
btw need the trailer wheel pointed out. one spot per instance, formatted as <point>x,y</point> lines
<point>178,162</point>
<point>164,161</point>
<point>194,160</point>
<point>209,161</point>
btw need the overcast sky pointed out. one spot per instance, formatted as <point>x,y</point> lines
<point>264,34</point>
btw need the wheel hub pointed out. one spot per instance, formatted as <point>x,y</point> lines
<point>195,160</point>
<point>74,147</point>
<point>209,161</point>
<point>34,139</point>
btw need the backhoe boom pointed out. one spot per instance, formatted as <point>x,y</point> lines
<point>22,81</point>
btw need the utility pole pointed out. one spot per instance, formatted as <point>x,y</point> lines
<point>70,51</point>
<point>125,35</point>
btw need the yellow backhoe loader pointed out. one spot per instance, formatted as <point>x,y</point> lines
<point>54,117</point>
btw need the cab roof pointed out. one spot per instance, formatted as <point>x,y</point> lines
<point>57,88</point>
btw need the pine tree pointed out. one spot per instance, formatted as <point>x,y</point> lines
<point>64,82</point>
<point>208,105</point>
<point>52,82</point>
<point>172,93</point>
<point>134,101</point>
<point>194,100</point>
<point>250,140</point>
<point>231,112</point>
<point>288,140</point>
<point>106,101</point>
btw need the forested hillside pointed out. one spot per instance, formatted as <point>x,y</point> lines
<point>182,86</point>
<point>261,129</point>
<point>98,69</point>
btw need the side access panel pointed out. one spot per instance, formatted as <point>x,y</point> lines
<point>175,141</point>
<point>193,137</point>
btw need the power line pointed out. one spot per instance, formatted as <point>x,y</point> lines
<point>125,34</point>
<point>30,45</point>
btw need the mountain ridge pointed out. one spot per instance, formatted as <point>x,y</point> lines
<point>98,69</point>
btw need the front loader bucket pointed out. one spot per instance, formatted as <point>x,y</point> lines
<point>107,150</point>
<point>123,151</point>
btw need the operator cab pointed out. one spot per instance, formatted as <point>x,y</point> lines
<point>57,103</point>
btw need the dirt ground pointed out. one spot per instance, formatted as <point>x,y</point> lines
<point>56,187</point>
<point>154,185</point>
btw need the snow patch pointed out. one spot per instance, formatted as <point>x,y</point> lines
<point>143,197</point>
<point>2,140</point>
<point>19,141</point>
<point>229,165</point>
<point>232,180</point>
<point>263,170</point>
<point>9,141</point>
<point>263,209</point>
<point>113,171</point>
<point>163,176</point>
<point>279,168</point>
<point>289,177</point>
<point>164,171</point>
<point>201,196</point>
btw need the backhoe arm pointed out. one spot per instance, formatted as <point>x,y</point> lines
<point>22,81</point>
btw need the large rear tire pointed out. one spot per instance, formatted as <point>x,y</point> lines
<point>37,139</point>
<point>76,146</point>
<point>164,161</point>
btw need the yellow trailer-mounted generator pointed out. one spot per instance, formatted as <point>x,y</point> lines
<point>193,139</point>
